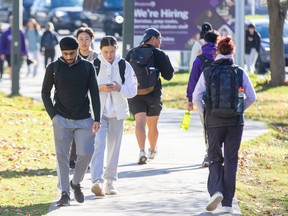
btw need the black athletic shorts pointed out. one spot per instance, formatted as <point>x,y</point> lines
<point>151,103</point>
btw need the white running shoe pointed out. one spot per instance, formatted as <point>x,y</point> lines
<point>142,157</point>
<point>110,189</point>
<point>228,209</point>
<point>152,153</point>
<point>97,189</point>
<point>214,201</point>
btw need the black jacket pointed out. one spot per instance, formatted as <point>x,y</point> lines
<point>48,41</point>
<point>72,84</point>
<point>255,43</point>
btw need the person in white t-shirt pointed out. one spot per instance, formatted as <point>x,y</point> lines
<point>196,47</point>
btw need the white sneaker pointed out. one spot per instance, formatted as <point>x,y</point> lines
<point>152,153</point>
<point>110,189</point>
<point>214,201</point>
<point>142,157</point>
<point>97,189</point>
<point>228,209</point>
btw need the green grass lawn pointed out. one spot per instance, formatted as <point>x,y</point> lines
<point>28,176</point>
<point>27,171</point>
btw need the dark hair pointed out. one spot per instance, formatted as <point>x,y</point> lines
<point>251,25</point>
<point>211,36</point>
<point>108,41</point>
<point>206,26</point>
<point>226,46</point>
<point>87,30</point>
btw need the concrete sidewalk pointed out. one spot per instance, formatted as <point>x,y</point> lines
<point>174,183</point>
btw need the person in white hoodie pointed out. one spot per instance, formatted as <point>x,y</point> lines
<point>114,91</point>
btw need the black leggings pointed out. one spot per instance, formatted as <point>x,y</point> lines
<point>1,68</point>
<point>49,54</point>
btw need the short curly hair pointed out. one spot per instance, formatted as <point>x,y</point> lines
<point>226,46</point>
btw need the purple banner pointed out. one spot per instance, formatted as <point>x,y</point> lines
<point>180,21</point>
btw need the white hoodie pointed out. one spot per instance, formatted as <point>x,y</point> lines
<point>114,104</point>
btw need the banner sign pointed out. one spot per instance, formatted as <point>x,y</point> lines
<point>180,21</point>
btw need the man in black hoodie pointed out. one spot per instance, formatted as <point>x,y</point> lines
<point>72,77</point>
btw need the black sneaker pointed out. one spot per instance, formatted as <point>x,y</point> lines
<point>78,195</point>
<point>30,61</point>
<point>64,200</point>
<point>205,162</point>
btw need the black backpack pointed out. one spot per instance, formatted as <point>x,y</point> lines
<point>142,61</point>
<point>222,84</point>
<point>122,68</point>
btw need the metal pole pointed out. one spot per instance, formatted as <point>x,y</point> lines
<point>253,7</point>
<point>239,33</point>
<point>128,26</point>
<point>15,46</point>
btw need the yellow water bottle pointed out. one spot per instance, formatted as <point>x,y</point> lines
<point>185,121</point>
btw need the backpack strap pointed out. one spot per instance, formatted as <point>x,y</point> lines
<point>121,64</point>
<point>95,55</point>
<point>96,64</point>
<point>55,69</point>
<point>206,61</point>
<point>122,68</point>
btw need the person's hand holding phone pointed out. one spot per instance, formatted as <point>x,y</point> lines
<point>108,87</point>
<point>116,86</point>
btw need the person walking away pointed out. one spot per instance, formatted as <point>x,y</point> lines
<point>196,47</point>
<point>48,42</point>
<point>5,46</point>
<point>33,39</point>
<point>117,82</point>
<point>252,47</point>
<point>84,36</point>
<point>73,78</point>
<point>147,105</point>
<point>201,62</point>
<point>224,120</point>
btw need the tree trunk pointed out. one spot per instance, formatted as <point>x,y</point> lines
<point>277,12</point>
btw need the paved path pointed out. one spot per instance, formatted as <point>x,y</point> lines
<point>174,183</point>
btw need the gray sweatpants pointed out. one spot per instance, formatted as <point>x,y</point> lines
<point>64,131</point>
<point>110,135</point>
